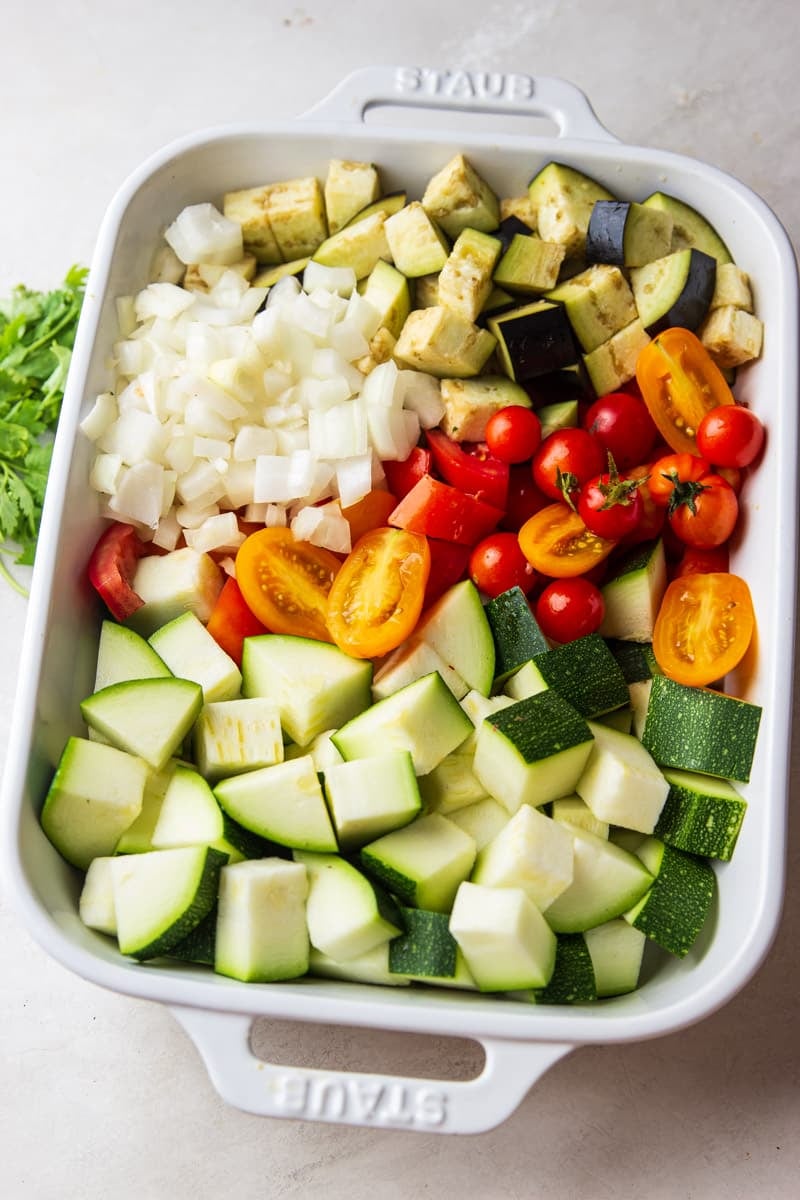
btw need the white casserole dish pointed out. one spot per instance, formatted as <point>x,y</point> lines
<point>57,662</point>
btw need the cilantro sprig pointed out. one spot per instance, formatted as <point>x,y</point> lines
<point>37,331</point>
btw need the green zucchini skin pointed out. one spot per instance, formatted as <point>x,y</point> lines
<point>701,816</point>
<point>516,633</point>
<point>675,909</point>
<point>586,674</point>
<point>572,981</point>
<point>697,729</point>
<point>426,948</point>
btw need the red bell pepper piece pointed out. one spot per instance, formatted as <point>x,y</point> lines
<point>474,470</point>
<point>441,511</point>
<point>449,562</point>
<point>401,476</point>
<point>231,621</point>
<point>111,568</point>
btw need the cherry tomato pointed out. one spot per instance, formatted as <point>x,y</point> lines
<point>497,564</point>
<point>609,506</point>
<point>523,500</point>
<point>651,522</point>
<point>680,383</point>
<point>730,436</point>
<point>376,599</point>
<point>702,562</point>
<point>231,621</point>
<point>285,583</point>
<point>624,428</point>
<point>732,475</point>
<point>112,566</point>
<point>673,469</point>
<point>569,608</point>
<point>513,434</point>
<point>703,514</point>
<point>565,460</point>
<point>556,543</point>
<point>703,627</point>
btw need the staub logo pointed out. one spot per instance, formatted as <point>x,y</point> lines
<point>364,1100</point>
<point>465,85</point>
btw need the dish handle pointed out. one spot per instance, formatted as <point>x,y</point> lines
<point>498,92</point>
<point>354,1098</point>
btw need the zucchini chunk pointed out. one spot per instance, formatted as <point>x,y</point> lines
<point>584,672</point>
<point>633,594</point>
<point>616,950</point>
<point>146,717</point>
<point>626,234</point>
<point>607,881</point>
<point>562,199</point>
<point>516,632</point>
<point>262,934</point>
<point>422,864</point>
<point>675,908</point>
<point>674,290</point>
<point>532,852</point>
<point>123,654</point>
<point>572,981</point>
<point>457,198</point>
<point>190,652</point>
<point>702,815</point>
<point>534,339</point>
<point>621,783</point>
<point>426,948</point>
<point>689,227</point>
<point>283,803</point>
<point>368,797</point>
<point>482,820</point>
<point>347,915</point>
<point>504,938</point>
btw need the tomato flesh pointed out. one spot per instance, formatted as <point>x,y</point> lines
<point>441,511</point>
<point>556,543</point>
<point>703,628</point>
<point>112,566</point>
<point>376,599</point>
<point>680,383</point>
<point>285,582</point>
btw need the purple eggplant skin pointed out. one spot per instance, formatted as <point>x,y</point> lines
<point>691,306</point>
<point>605,237</point>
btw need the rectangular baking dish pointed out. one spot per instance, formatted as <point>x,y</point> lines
<point>56,670</point>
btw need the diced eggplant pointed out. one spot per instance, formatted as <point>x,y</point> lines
<point>599,302</point>
<point>689,228</point>
<point>529,265</point>
<point>534,339</point>
<point>508,228</point>
<point>626,234</point>
<point>613,362</point>
<point>674,290</point>
<point>562,199</point>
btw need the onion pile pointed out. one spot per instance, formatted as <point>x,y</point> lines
<point>246,402</point>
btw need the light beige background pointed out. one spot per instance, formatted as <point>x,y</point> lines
<point>104,1097</point>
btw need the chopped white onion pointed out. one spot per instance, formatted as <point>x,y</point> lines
<point>217,533</point>
<point>201,234</point>
<point>330,279</point>
<point>354,478</point>
<point>423,395</point>
<point>140,494</point>
<point>162,300</point>
<point>100,417</point>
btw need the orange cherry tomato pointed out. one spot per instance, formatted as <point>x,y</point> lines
<point>680,383</point>
<point>285,583</point>
<point>556,543</point>
<point>703,627</point>
<point>376,598</point>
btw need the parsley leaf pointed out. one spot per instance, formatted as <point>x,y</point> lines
<point>37,331</point>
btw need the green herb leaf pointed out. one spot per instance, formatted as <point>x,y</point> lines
<point>37,331</point>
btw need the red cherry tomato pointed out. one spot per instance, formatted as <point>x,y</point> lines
<point>703,513</point>
<point>565,460</point>
<point>730,436</point>
<point>622,425</point>
<point>703,562</point>
<point>569,608</point>
<point>673,469</point>
<point>513,434</point>
<point>497,564</point>
<point>524,498</point>
<point>651,522</point>
<point>609,506</point>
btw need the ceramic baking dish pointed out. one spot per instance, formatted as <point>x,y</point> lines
<point>56,671</point>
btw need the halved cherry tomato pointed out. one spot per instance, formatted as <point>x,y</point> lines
<point>569,608</point>
<point>672,470</point>
<point>513,433</point>
<point>441,511</point>
<point>703,627</point>
<point>565,460</point>
<point>371,512</point>
<point>497,564</point>
<point>285,583</point>
<point>376,598</point>
<point>624,428</point>
<point>557,543</point>
<point>231,621</point>
<point>470,468</point>
<point>401,476</point>
<point>702,562</point>
<point>112,566</point>
<point>703,514</point>
<point>730,436</point>
<point>680,383</point>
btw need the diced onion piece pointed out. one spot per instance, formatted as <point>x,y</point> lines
<point>311,318</point>
<point>363,315</point>
<point>105,473</point>
<point>292,438</point>
<point>332,279</point>
<point>281,478</point>
<point>323,526</point>
<point>132,357</point>
<point>201,484</point>
<point>354,478</point>
<point>349,341</point>
<point>213,448</point>
<point>240,481</point>
<point>252,440</point>
<point>390,432</point>
<point>200,233</point>
<point>136,436</point>
<point>322,393</point>
<point>217,533</point>
<point>422,394</point>
<point>283,292</point>
<point>192,516</point>
<point>162,300</point>
<point>329,364</point>
<point>166,267</point>
<point>140,494</point>
<point>381,386</point>
<point>168,532</point>
<point>100,417</point>
<point>339,432</point>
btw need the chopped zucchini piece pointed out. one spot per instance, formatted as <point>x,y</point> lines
<point>532,852</point>
<point>505,940</point>
<point>633,594</point>
<point>347,915</point>
<point>702,815</point>
<point>283,803</point>
<point>160,896</point>
<point>673,911</point>
<point>426,948</point>
<point>262,935</point>
<point>698,729</point>
<point>584,672</point>
<point>621,783</point>
<point>368,797</point>
<point>616,950</point>
<point>424,863</point>
<point>606,882</point>
<point>516,633</point>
